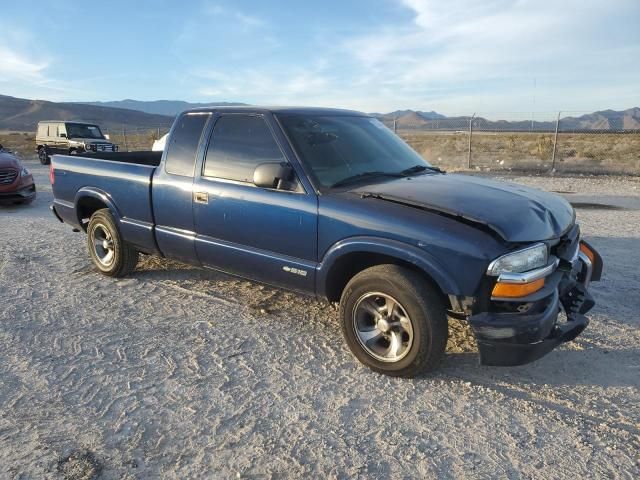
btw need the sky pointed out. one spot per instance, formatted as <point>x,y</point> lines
<point>511,58</point>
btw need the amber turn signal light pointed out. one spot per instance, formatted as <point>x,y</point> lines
<point>515,290</point>
<point>590,255</point>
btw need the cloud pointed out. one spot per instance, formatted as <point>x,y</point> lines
<point>468,50</point>
<point>246,21</point>
<point>19,67</point>
<point>18,63</point>
<point>256,86</point>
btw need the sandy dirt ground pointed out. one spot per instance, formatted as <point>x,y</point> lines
<point>178,372</point>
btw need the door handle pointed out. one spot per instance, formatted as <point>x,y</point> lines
<point>201,197</point>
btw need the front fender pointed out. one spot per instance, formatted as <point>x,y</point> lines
<point>392,248</point>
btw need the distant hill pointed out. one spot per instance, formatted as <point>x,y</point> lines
<point>409,118</point>
<point>607,119</point>
<point>159,107</point>
<point>23,115</point>
<point>604,120</point>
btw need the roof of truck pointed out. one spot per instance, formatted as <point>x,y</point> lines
<point>279,109</point>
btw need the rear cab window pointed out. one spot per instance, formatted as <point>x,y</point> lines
<point>240,143</point>
<point>183,144</point>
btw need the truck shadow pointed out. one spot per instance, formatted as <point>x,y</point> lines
<point>606,355</point>
<point>564,367</point>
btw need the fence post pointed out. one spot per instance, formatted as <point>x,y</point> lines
<point>470,135</point>
<point>395,129</point>
<point>555,143</point>
<point>124,135</point>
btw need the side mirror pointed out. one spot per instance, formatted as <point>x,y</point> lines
<point>272,174</point>
<point>63,135</point>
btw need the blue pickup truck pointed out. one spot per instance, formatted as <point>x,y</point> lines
<point>333,204</point>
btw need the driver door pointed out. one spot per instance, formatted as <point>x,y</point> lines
<point>265,234</point>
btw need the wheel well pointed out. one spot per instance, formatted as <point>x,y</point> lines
<point>86,207</point>
<point>347,266</point>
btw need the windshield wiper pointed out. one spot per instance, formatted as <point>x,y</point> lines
<point>420,168</point>
<point>360,176</point>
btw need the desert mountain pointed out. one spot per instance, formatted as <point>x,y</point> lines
<point>604,120</point>
<point>159,107</point>
<point>23,115</point>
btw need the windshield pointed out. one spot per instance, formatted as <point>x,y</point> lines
<point>340,148</point>
<point>79,130</point>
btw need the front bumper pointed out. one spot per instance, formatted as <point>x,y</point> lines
<point>20,195</point>
<point>513,338</point>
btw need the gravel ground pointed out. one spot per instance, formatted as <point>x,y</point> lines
<point>183,373</point>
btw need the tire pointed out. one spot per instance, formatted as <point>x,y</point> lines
<point>111,255</point>
<point>43,156</point>
<point>409,340</point>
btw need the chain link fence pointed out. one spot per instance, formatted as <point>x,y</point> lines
<point>571,142</point>
<point>135,139</point>
<point>535,142</point>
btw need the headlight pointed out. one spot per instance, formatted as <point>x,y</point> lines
<point>520,261</point>
<point>24,172</point>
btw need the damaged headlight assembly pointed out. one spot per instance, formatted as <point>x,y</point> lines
<point>511,270</point>
<point>524,260</point>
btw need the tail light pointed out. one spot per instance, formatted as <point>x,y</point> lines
<point>52,174</point>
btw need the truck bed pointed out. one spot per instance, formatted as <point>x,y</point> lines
<point>120,180</point>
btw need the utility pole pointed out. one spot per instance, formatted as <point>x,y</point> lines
<point>470,135</point>
<point>124,135</point>
<point>555,143</point>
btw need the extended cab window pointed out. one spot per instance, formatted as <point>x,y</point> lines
<point>183,144</point>
<point>238,144</point>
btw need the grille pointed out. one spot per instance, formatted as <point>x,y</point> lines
<point>7,177</point>
<point>102,147</point>
<point>567,249</point>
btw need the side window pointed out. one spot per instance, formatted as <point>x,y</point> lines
<point>183,145</point>
<point>238,144</point>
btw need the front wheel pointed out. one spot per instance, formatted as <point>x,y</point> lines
<point>394,321</point>
<point>43,156</point>
<point>109,252</point>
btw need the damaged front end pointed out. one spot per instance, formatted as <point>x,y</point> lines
<point>519,323</point>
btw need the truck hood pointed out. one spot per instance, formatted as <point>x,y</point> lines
<point>515,212</point>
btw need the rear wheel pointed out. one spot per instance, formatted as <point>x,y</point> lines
<point>394,321</point>
<point>109,252</point>
<point>43,156</point>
